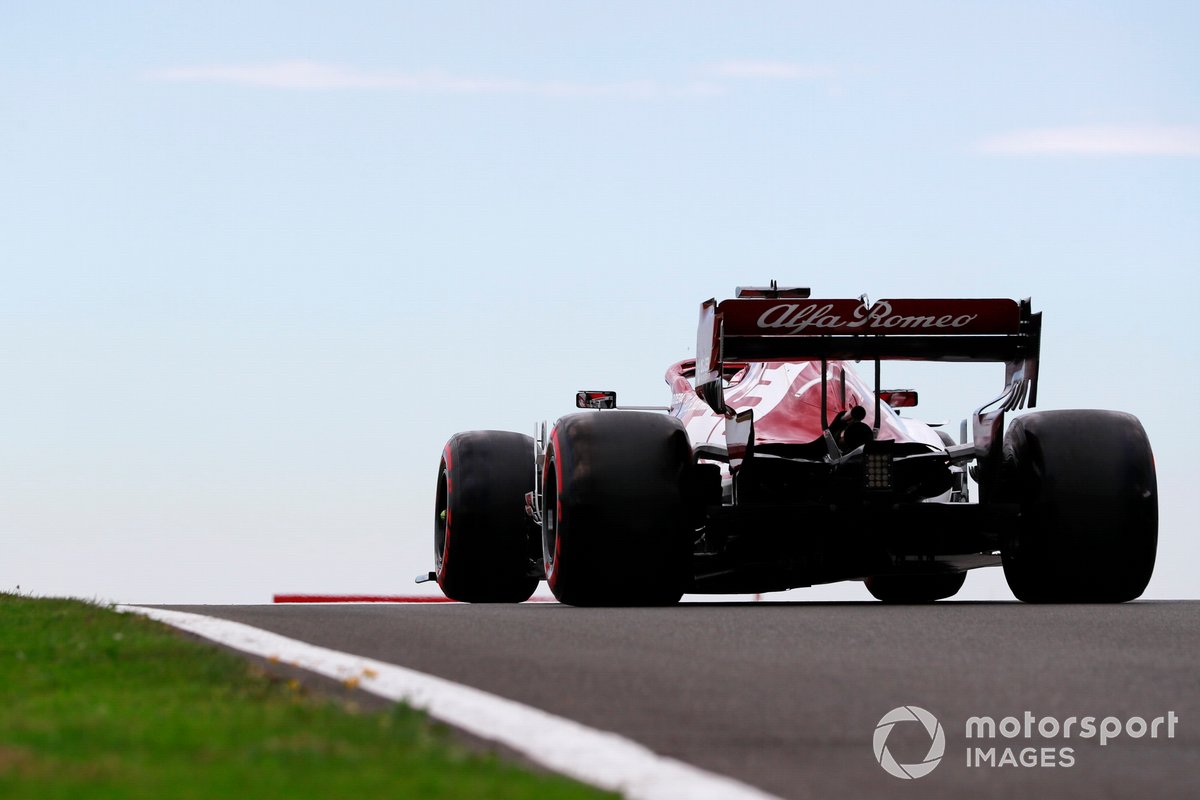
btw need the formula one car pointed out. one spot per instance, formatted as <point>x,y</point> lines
<point>776,466</point>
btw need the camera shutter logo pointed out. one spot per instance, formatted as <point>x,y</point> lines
<point>937,745</point>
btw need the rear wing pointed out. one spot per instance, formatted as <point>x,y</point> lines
<point>777,326</point>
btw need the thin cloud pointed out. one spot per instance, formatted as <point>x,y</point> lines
<point>769,70</point>
<point>1181,140</point>
<point>318,76</point>
<point>315,75</point>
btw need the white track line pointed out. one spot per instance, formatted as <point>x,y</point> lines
<point>599,758</point>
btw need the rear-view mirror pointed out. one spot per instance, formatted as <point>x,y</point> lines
<point>588,399</point>
<point>899,398</point>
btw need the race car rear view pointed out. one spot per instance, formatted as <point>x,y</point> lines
<point>776,466</point>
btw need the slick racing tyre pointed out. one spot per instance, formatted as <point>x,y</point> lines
<point>482,538</point>
<point>615,524</point>
<point>915,588</point>
<point>1088,496</point>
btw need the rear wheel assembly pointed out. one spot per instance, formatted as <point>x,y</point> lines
<point>615,523</point>
<point>1088,495</point>
<point>482,536</point>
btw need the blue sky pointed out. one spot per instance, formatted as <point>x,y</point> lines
<point>261,259</point>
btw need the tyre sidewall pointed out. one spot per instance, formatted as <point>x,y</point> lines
<point>1087,491</point>
<point>485,537</point>
<point>620,513</point>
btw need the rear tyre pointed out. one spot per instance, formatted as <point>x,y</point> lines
<point>1086,486</point>
<point>481,534</point>
<point>615,524</point>
<point>903,589</point>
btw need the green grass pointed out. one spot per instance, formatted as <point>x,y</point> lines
<point>95,704</point>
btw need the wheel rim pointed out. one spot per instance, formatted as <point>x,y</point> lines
<point>441,518</point>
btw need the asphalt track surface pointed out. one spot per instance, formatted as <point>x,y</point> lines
<point>787,696</point>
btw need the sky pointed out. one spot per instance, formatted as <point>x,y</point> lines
<point>261,259</point>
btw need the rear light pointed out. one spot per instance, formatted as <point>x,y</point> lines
<point>877,473</point>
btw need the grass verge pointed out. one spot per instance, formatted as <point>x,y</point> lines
<point>95,704</point>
